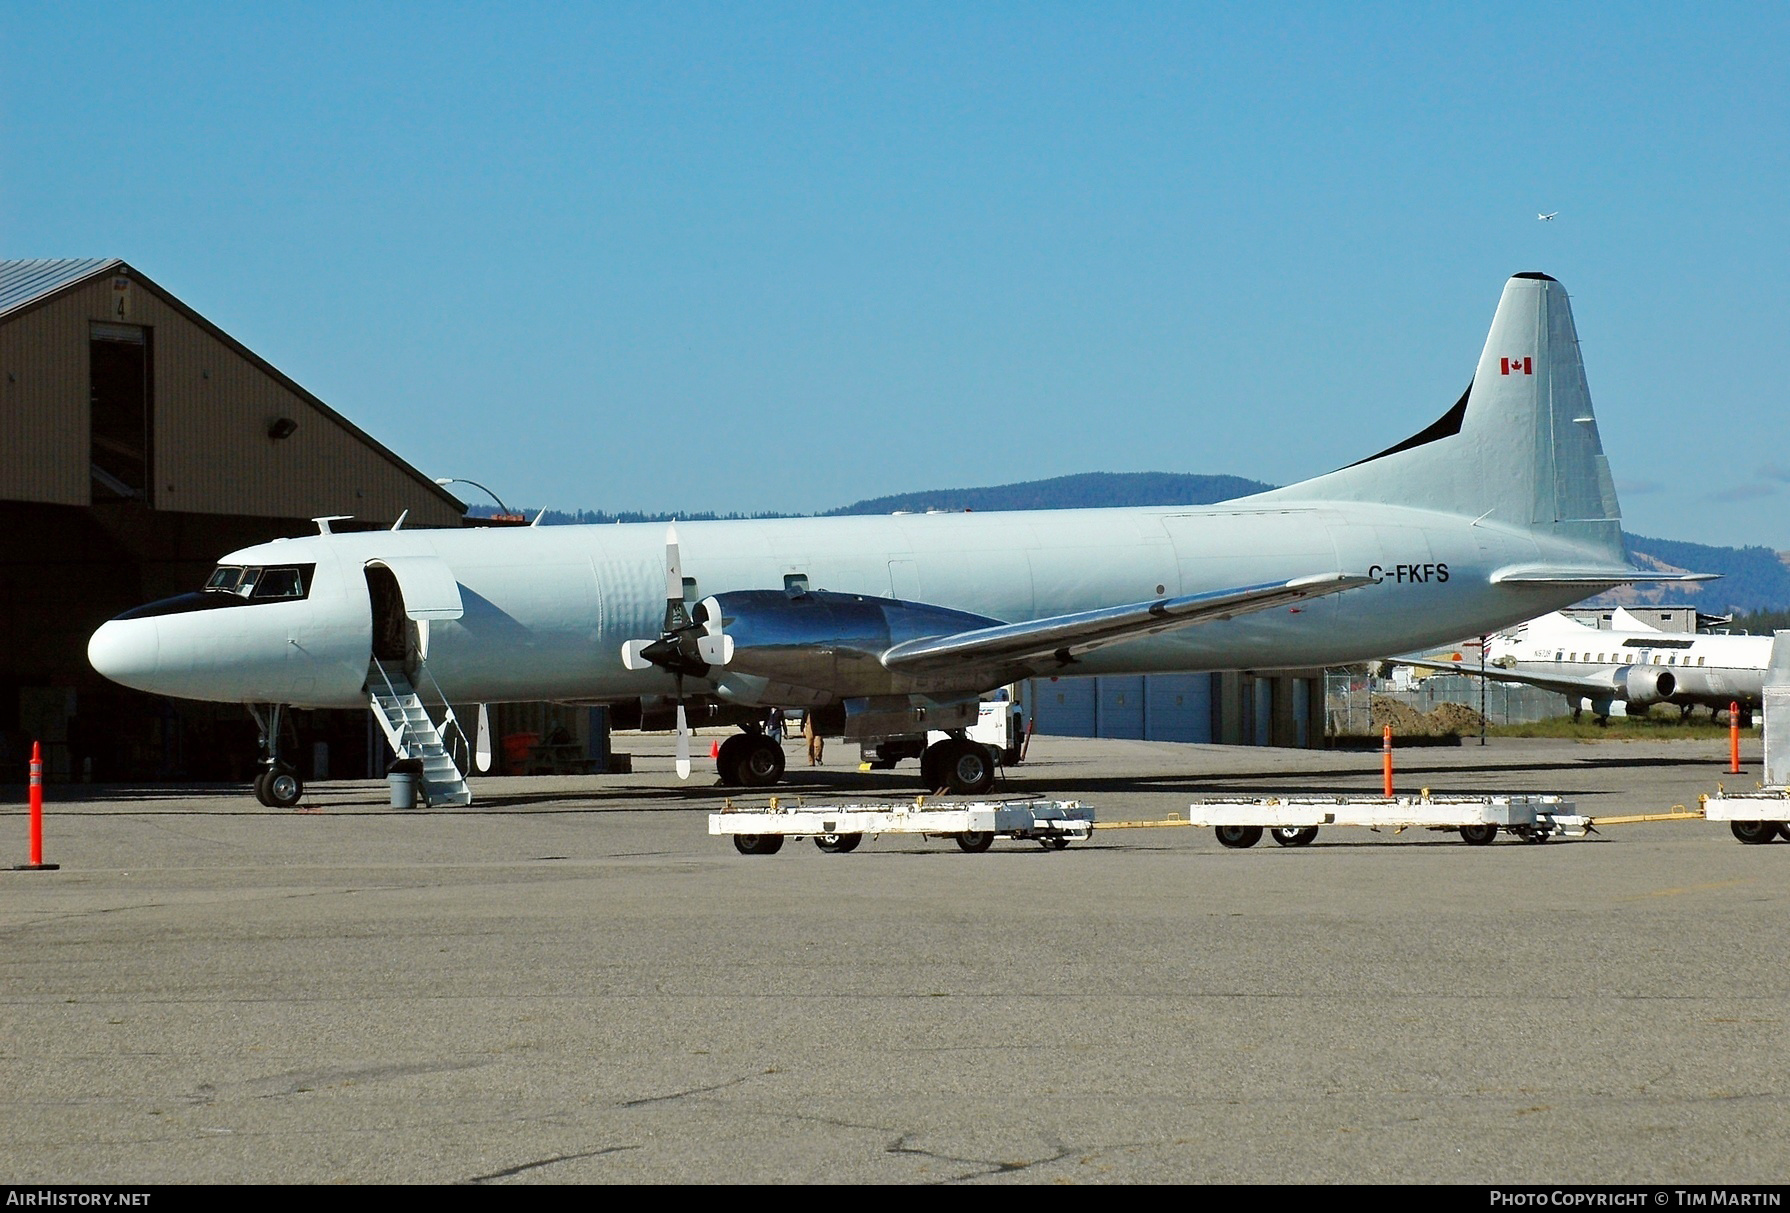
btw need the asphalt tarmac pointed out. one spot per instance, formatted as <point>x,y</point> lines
<point>572,982</point>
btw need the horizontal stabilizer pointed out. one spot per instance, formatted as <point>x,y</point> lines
<point>1064,637</point>
<point>1551,574</point>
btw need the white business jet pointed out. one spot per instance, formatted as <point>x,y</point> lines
<point>894,626</point>
<point>1549,217</point>
<point>1628,662</point>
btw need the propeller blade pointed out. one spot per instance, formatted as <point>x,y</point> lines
<point>482,750</point>
<point>631,654</point>
<point>714,646</point>
<point>683,743</point>
<point>674,569</point>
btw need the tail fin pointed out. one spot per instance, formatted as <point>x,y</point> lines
<point>1520,446</point>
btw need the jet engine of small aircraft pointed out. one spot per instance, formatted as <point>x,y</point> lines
<point>1648,684</point>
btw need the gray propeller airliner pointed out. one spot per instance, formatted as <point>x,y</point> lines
<point>1500,511</point>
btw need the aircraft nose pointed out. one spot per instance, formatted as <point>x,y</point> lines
<point>126,651</point>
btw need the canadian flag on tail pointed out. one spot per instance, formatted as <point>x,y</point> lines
<point>1516,366</point>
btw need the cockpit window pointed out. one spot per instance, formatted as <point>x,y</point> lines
<point>261,584</point>
<point>224,577</point>
<point>280,583</point>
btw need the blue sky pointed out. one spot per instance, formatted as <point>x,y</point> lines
<point>782,257</point>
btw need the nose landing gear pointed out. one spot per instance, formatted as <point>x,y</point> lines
<point>277,785</point>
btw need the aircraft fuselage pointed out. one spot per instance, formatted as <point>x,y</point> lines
<point>547,609</point>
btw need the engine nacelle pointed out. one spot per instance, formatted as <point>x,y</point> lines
<point>1647,684</point>
<point>823,647</point>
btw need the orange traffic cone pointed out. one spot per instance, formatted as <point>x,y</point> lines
<point>714,749</point>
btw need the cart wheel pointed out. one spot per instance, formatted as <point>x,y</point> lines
<point>1478,836</point>
<point>1535,833</point>
<point>976,841</point>
<point>1054,842</point>
<point>1754,832</point>
<point>1294,836</point>
<point>758,844</point>
<point>838,844</point>
<point>1238,837</point>
<point>1784,829</point>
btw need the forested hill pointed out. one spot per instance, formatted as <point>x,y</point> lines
<point>1090,490</point>
<point>1752,579</point>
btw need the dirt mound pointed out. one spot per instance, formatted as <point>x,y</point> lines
<point>1449,719</point>
<point>1458,718</point>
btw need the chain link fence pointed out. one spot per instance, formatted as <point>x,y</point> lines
<point>1348,713</point>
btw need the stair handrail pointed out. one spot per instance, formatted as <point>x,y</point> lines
<point>448,721</point>
<point>399,737</point>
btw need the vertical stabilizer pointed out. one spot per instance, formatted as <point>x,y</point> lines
<point>1520,447</point>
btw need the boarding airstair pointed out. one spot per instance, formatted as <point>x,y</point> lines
<point>413,734</point>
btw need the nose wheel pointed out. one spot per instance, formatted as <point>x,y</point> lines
<point>278,788</point>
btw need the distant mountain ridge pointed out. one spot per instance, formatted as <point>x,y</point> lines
<point>1752,578</point>
<point>1087,491</point>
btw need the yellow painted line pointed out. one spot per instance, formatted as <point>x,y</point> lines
<point>1678,814</point>
<point>1681,890</point>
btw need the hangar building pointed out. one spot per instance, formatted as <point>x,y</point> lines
<point>138,443</point>
<point>1282,708</point>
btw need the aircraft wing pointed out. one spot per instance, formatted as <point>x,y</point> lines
<point>1562,686</point>
<point>1061,638</point>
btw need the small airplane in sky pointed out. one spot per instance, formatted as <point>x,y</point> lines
<point>893,627</point>
<point>1629,662</point>
<point>1547,217</point>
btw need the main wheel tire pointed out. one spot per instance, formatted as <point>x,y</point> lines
<point>968,768</point>
<point>261,786</point>
<point>1784,829</point>
<point>838,844</point>
<point>1238,838</point>
<point>1754,832</point>
<point>758,844</point>
<point>761,762</point>
<point>1478,836</point>
<point>281,789</point>
<point>727,762</point>
<point>976,841</point>
<point>1294,836</point>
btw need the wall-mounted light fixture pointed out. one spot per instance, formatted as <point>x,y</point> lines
<point>281,427</point>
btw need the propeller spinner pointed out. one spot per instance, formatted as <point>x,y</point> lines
<point>687,645</point>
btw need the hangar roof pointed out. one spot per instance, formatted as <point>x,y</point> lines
<point>25,282</point>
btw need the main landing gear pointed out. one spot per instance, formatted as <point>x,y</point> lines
<point>277,785</point>
<point>749,760</point>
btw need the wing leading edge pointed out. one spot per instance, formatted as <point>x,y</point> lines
<point>1560,686</point>
<point>1062,638</point>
